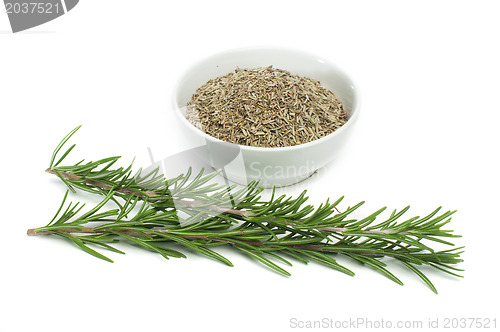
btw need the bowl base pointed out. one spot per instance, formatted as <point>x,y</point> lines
<point>270,184</point>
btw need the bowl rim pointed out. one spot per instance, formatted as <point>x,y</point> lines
<point>344,127</point>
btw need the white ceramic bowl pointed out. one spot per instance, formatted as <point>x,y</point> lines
<point>271,166</point>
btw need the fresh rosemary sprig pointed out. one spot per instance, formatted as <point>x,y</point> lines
<point>193,212</point>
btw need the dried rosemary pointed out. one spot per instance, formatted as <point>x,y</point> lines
<point>265,107</point>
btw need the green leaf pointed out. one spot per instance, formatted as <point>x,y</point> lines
<point>278,257</point>
<point>143,244</point>
<point>98,206</point>
<point>88,250</point>
<point>421,275</point>
<point>376,264</point>
<point>61,144</point>
<point>103,242</point>
<point>60,208</point>
<point>202,250</point>
<point>171,252</point>
<point>296,256</point>
<point>442,267</point>
<point>326,260</point>
<point>66,182</point>
<point>265,261</point>
<point>64,156</point>
<point>210,253</point>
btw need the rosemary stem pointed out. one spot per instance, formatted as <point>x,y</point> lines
<point>194,203</point>
<point>257,243</point>
<point>73,177</point>
<point>87,230</point>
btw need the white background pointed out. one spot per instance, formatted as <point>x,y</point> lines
<point>427,135</point>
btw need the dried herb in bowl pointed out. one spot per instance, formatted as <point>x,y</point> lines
<point>265,107</point>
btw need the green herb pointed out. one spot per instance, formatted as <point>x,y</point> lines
<point>265,107</point>
<point>199,215</point>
